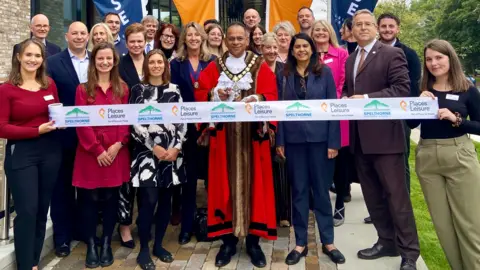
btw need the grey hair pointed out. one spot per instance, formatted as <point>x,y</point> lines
<point>364,11</point>
<point>285,25</point>
<point>269,37</point>
<point>149,18</point>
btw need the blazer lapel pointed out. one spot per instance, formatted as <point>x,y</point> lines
<point>291,85</point>
<point>372,54</point>
<point>310,80</point>
<point>67,63</point>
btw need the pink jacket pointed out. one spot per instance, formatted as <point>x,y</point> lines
<point>335,59</point>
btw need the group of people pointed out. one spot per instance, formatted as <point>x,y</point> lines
<point>259,174</point>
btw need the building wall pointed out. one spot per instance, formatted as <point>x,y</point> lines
<point>14,21</point>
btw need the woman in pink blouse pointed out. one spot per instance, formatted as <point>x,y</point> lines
<point>335,57</point>
<point>102,161</point>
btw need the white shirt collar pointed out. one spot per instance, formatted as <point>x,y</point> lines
<point>117,40</point>
<point>369,47</point>
<point>393,42</point>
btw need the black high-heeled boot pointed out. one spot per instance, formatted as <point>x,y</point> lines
<point>106,255</point>
<point>92,259</point>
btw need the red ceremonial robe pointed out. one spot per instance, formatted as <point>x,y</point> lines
<point>241,196</point>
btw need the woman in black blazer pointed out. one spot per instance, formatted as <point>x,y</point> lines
<point>309,147</point>
<point>131,72</point>
<point>192,58</point>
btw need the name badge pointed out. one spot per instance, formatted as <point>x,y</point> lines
<point>452,97</point>
<point>328,61</point>
<point>48,98</point>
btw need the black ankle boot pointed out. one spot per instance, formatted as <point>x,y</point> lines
<point>92,259</point>
<point>106,255</point>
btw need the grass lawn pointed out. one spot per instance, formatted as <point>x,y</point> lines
<point>430,248</point>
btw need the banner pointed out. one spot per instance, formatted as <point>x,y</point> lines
<point>196,10</point>
<point>130,11</point>
<point>284,10</point>
<point>205,112</point>
<point>342,9</point>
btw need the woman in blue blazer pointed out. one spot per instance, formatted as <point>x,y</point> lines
<point>192,57</point>
<point>309,146</point>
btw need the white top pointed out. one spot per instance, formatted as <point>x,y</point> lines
<point>235,65</point>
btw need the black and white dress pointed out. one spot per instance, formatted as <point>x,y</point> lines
<point>146,169</point>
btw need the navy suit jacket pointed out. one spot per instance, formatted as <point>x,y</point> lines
<point>414,68</point>
<point>121,48</point>
<point>318,87</point>
<point>128,72</point>
<point>50,49</point>
<point>181,76</point>
<point>60,69</point>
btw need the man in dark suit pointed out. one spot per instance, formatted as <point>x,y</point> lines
<point>40,26</point>
<point>389,28</point>
<point>68,69</point>
<point>374,71</point>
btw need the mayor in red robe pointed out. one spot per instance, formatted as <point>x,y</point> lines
<point>241,201</point>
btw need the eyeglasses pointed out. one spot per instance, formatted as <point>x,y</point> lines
<point>40,26</point>
<point>168,37</point>
<point>366,24</point>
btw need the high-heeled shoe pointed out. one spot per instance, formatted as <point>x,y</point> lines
<point>127,244</point>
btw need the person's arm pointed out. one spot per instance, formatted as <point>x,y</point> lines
<point>397,73</point>
<point>472,125</point>
<point>7,130</point>
<point>333,141</point>
<point>86,136</point>
<point>125,130</point>
<point>415,72</point>
<point>343,56</point>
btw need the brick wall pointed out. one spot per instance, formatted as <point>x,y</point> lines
<point>14,21</point>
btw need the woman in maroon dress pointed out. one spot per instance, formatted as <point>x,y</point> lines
<point>102,160</point>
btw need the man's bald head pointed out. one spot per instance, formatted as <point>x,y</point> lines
<point>251,18</point>
<point>40,26</point>
<point>77,37</point>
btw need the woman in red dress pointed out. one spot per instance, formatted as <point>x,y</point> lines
<point>102,160</point>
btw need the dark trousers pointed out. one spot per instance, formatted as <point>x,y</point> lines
<point>345,174</point>
<point>64,204</point>
<point>310,169</point>
<point>31,167</point>
<point>185,196</point>
<point>283,193</point>
<point>93,200</point>
<point>408,132</point>
<point>250,241</point>
<point>382,178</point>
<point>147,200</point>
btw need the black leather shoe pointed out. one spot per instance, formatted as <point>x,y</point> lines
<point>377,251</point>
<point>63,250</point>
<point>184,238</point>
<point>106,255</point>
<point>225,254</point>
<point>295,256</point>
<point>335,255</point>
<point>347,198</point>
<point>127,244</point>
<point>408,264</point>
<point>145,261</point>
<point>92,260</point>
<point>163,254</point>
<point>368,220</point>
<point>257,256</point>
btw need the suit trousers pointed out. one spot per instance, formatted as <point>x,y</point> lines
<point>449,174</point>
<point>64,207</point>
<point>308,169</point>
<point>408,132</point>
<point>31,167</point>
<point>147,199</point>
<point>382,178</point>
<point>92,200</point>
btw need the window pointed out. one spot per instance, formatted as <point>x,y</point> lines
<point>166,11</point>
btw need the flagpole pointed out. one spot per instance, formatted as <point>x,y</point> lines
<point>329,11</point>
<point>217,11</point>
<point>267,16</point>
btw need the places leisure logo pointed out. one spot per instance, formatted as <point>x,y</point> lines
<point>260,111</point>
<point>77,117</point>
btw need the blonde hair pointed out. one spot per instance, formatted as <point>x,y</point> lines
<point>456,77</point>
<point>333,36</point>
<point>269,37</point>
<point>182,52</point>
<point>107,31</point>
<point>285,25</point>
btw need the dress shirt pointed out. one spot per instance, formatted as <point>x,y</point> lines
<point>117,40</point>
<point>147,49</point>
<point>367,49</point>
<point>80,66</point>
<point>393,42</point>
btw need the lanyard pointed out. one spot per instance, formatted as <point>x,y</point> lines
<point>194,75</point>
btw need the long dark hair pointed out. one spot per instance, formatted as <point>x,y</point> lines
<point>314,66</point>
<point>116,82</point>
<point>15,76</point>
<point>252,47</point>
